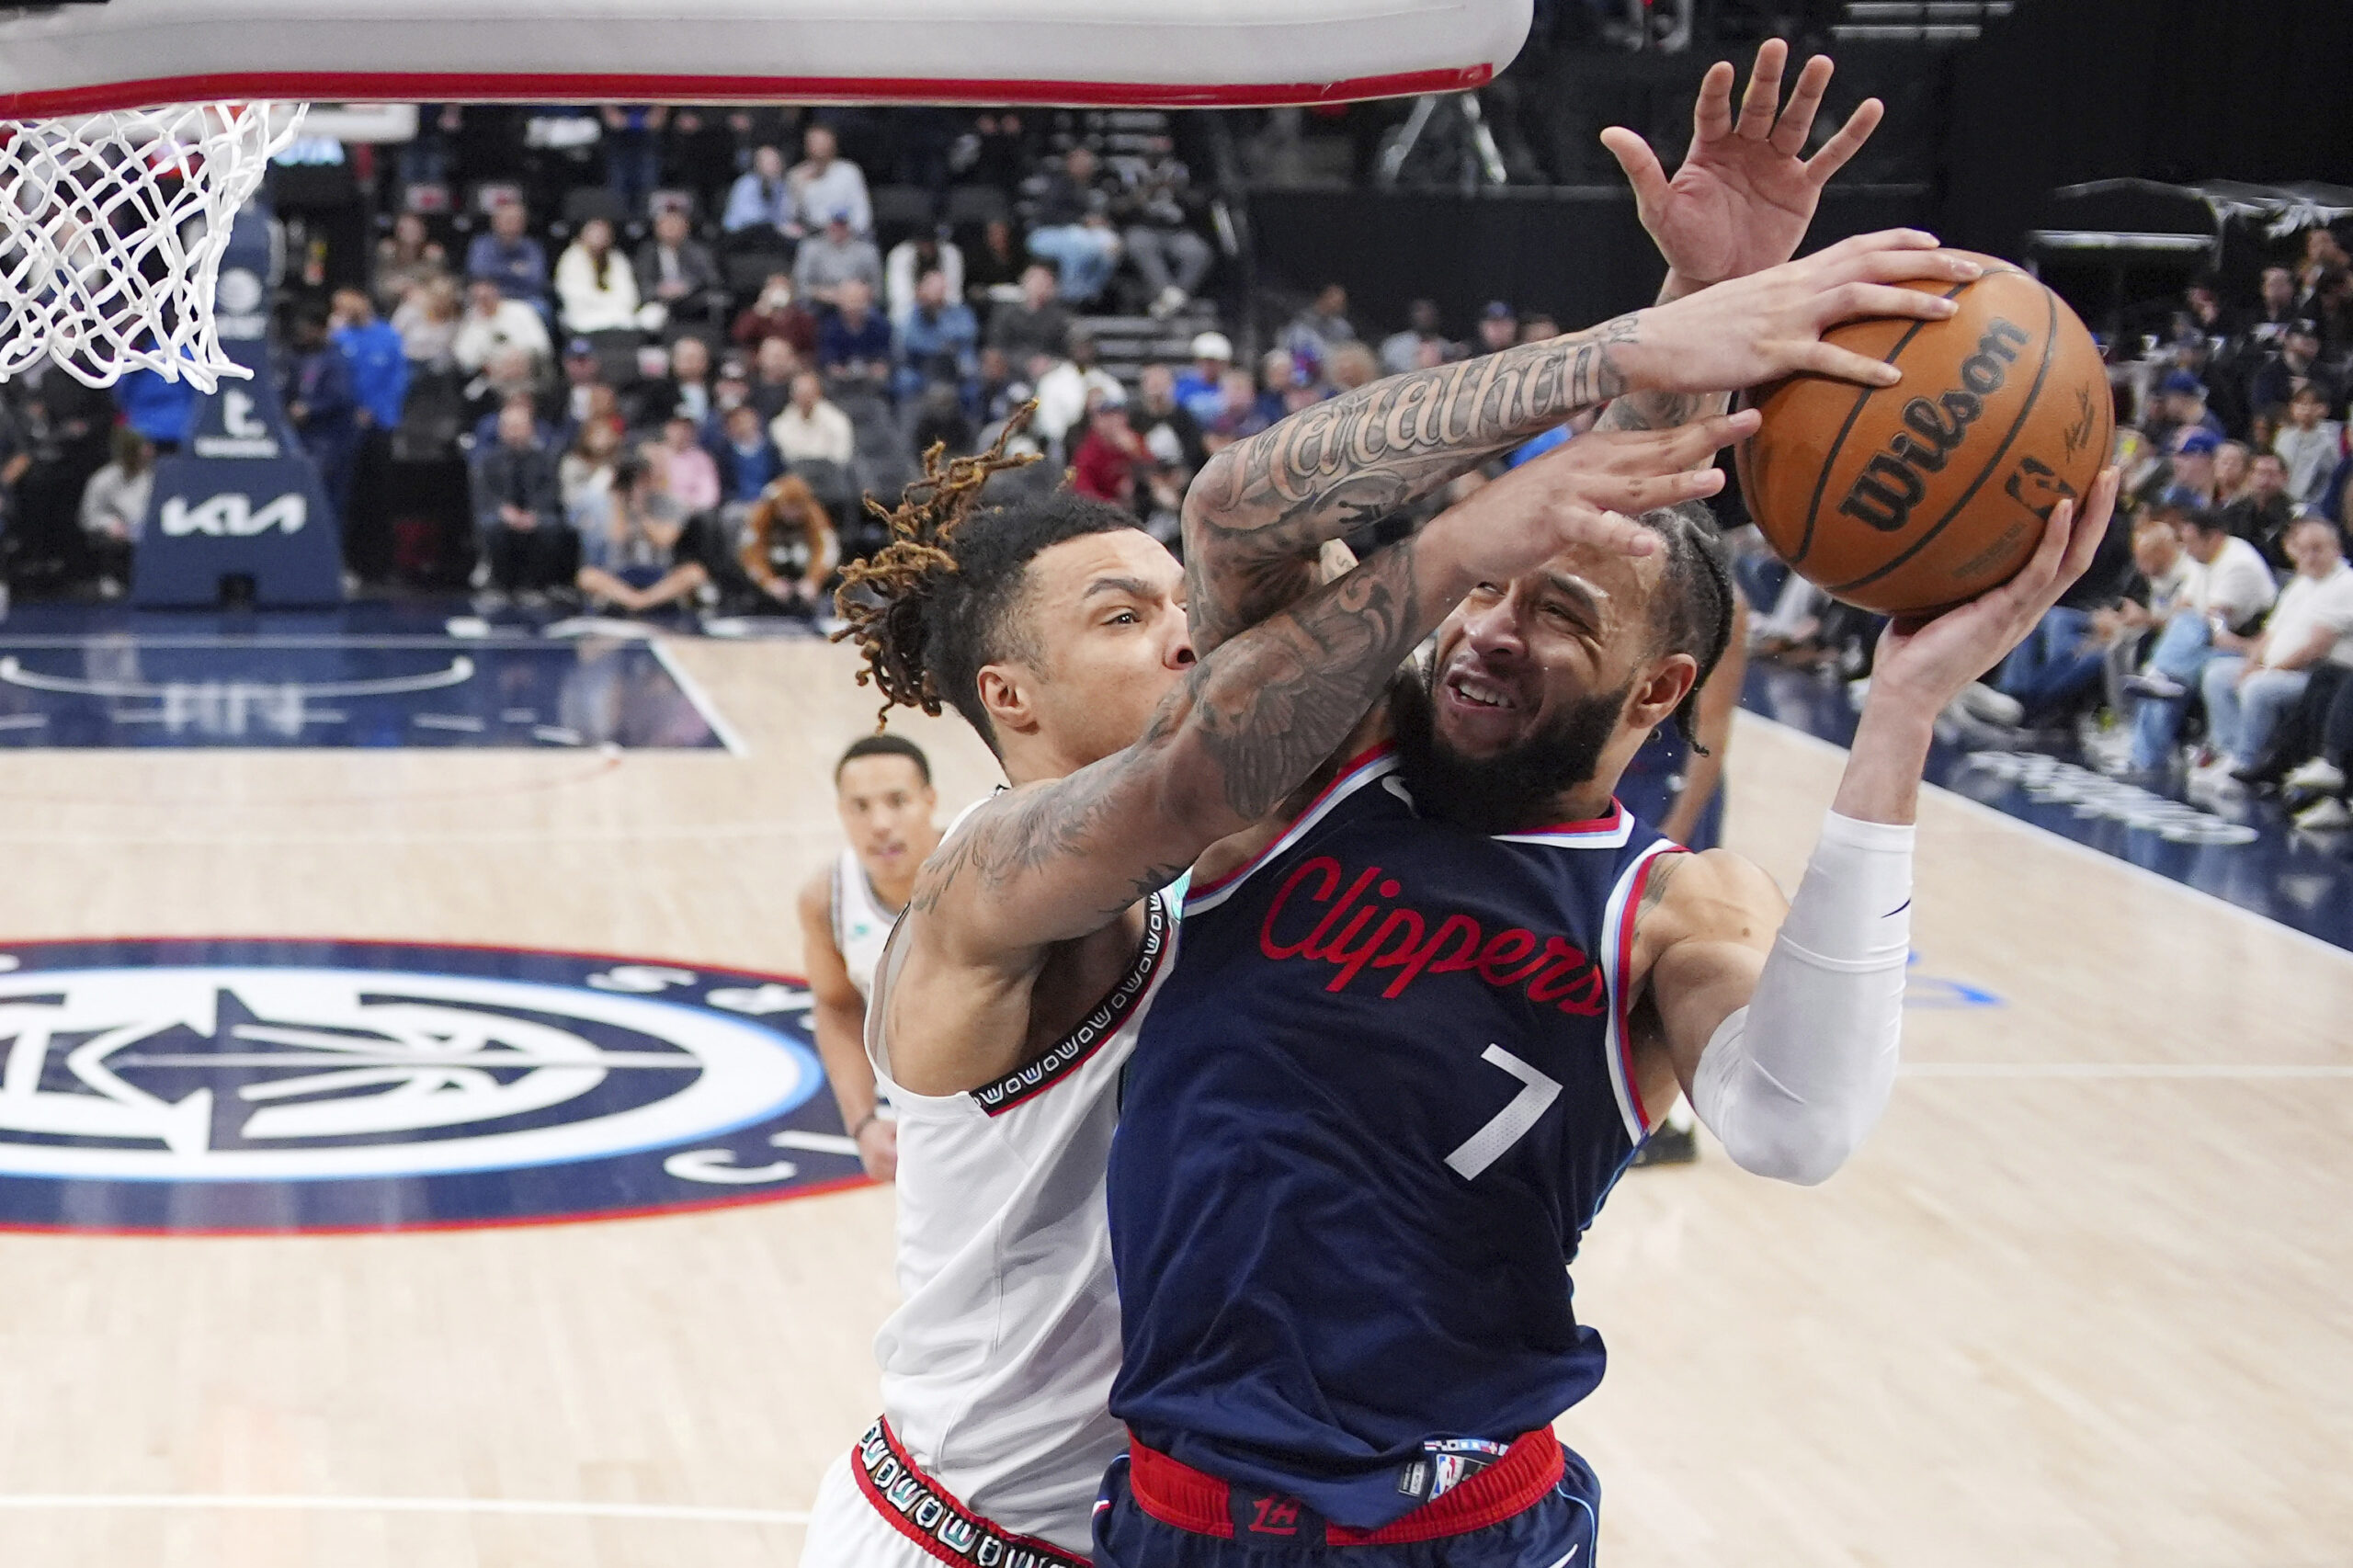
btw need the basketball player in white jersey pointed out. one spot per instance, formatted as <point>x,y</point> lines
<point>883,792</point>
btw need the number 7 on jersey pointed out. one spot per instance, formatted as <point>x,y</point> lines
<point>1484,1147</point>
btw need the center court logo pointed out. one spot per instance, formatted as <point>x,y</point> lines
<point>290,1085</point>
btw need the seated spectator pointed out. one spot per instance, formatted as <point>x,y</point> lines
<point>823,184</point>
<point>903,270</point>
<point>773,370</point>
<point>2293,368</point>
<point>1201,390</point>
<point>637,550</point>
<point>2190,462</point>
<point>427,323</point>
<point>1241,411</point>
<point>1319,329</point>
<point>938,340</point>
<point>1538,327</point>
<point>854,343</point>
<point>1066,386</point>
<point>2310,444</point>
<point>999,388</point>
<point>790,548</point>
<point>2251,683</point>
<point>993,272</point>
<point>1104,465</point>
<point>583,379</point>
<point>2230,473</point>
<point>1287,383</point>
<point>585,470</point>
<point>1400,350</point>
<point>492,323</point>
<point>518,511</point>
<point>598,290</point>
<point>677,278</point>
<point>407,259</point>
<point>509,374</point>
<point>510,257</point>
<point>832,257</point>
<point>2262,512</point>
<point>1352,365</point>
<point>320,405</point>
<point>114,508</point>
<point>775,315</point>
<point>2181,401</point>
<point>747,460</point>
<point>693,475</point>
<point>1036,324</point>
<point>1074,225</point>
<point>686,392</point>
<point>1159,217</point>
<point>378,360</point>
<point>940,417</point>
<point>2228,596</point>
<point>1498,327</point>
<point>809,428</point>
<point>2164,577</point>
<point>2276,309</point>
<point>760,198</point>
<point>1155,408</point>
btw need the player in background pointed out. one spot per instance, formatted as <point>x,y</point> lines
<point>883,792</point>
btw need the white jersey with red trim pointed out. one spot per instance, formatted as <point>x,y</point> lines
<point>996,1369</point>
<point>861,925</point>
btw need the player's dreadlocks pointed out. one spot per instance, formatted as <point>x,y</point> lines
<point>940,601</point>
<point>1694,603</point>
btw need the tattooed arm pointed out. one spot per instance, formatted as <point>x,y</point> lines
<point>1256,517</point>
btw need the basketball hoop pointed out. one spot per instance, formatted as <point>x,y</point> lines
<point>111,230</point>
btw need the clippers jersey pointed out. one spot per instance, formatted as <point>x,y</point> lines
<point>1373,1109</point>
<point>996,1368</point>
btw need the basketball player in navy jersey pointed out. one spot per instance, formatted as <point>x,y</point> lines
<point>882,793</point>
<point>1006,1006</point>
<point>1423,1017</point>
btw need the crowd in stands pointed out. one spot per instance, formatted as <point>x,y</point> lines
<point>2211,642</point>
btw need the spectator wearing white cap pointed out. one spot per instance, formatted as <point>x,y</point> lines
<point>1201,390</point>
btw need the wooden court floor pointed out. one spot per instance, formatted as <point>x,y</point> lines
<point>2083,1300</point>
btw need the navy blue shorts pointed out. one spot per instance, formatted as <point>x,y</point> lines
<point>1560,1530</point>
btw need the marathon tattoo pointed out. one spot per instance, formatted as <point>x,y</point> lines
<point>1261,508</point>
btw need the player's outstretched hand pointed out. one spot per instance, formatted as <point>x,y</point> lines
<point>1924,665</point>
<point>1745,192</point>
<point>1762,327</point>
<point>1585,492</point>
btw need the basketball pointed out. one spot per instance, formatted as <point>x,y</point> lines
<point>1909,498</point>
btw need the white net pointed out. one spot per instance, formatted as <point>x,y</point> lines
<point>111,230</point>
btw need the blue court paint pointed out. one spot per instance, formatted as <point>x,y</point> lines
<point>2300,881</point>
<point>154,687</point>
<point>263,1085</point>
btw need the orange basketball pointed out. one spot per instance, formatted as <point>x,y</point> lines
<point>1912,497</point>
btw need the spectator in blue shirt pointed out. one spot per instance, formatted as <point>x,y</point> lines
<point>379,365</point>
<point>761,197</point>
<point>1200,391</point>
<point>854,343</point>
<point>510,257</point>
<point>161,411</point>
<point>939,340</point>
<point>747,459</point>
<point>320,404</point>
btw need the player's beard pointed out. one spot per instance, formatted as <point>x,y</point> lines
<point>1513,790</point>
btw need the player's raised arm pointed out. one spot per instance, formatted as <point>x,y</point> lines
<point>1742,199</point>
<point>1055,860</point>
<point>1783,1022</point>
<point>1261,509</point>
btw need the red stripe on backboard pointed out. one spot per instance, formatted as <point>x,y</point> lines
<point>510,86</point>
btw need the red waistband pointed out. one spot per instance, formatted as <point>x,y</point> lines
<point>929,1514</point>
<point>1176,1494</point>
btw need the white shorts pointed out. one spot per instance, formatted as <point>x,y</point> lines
<point>848,1528</point>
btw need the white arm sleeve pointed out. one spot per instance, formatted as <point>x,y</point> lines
<point>1794,1081</point>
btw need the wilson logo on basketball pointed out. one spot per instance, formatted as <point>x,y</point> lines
<point>1322,915</point>
<point>1891,483</point>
